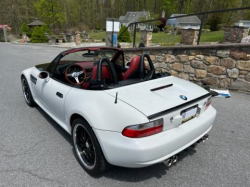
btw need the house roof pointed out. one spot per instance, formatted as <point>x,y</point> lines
<point>189,19</point>
<point>36,23</point>
<point>131,17</point>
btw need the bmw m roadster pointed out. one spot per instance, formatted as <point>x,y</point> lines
<point>120,114</point>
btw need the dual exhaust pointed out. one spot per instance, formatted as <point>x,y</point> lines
<point>170,161</point>
<point>203,139</point>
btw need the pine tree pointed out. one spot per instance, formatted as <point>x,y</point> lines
<point>124,36</point>
<point>25,29</point>
<point>38,36</point>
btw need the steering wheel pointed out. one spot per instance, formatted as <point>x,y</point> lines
<point>75,74</point>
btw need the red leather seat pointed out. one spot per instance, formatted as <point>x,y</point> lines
<point>106,75</point>
<point>133,70</point>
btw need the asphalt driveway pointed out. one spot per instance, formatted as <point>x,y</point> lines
<point>35,151</point>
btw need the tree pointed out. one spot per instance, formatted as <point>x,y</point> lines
<point>38,36</point>
<point>51,12</point>
<point>124,35</point>
<point>25,29</point>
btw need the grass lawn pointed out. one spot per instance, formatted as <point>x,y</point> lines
<point>166,40</point>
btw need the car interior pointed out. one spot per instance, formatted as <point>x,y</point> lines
<point>95,69</point>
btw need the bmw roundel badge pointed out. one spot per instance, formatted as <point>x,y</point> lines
<point>183,97</point>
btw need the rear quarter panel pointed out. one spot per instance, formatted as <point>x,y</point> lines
<point>100,111</point>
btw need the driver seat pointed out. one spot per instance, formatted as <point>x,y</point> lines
<point>106,75</point>
<point>133,71</point>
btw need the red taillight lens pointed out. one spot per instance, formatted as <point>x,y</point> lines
<point>143,130</point>
<point>209,100</point>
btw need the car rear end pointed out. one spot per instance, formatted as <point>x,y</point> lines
<point>167,133</point>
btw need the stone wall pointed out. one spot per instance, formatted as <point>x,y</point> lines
<point>223,66</point>
<point>235,34</point>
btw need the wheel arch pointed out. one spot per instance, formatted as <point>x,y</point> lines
<point>75,116</point>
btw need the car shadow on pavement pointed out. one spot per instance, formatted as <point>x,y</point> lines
<point>55,125</point>
<point>142,174</point>
<point>121,173</point>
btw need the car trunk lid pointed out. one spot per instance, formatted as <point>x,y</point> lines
<point>155,96</point>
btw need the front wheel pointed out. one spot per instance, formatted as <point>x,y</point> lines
<point>87,149</point>
<point>27,93</point>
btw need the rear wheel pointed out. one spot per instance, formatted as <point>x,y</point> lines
<point>87,149</point>
<point>27,93</point>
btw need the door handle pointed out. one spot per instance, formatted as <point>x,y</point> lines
<point>59,94</point>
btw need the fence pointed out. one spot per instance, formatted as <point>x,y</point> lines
<point>202,14</point>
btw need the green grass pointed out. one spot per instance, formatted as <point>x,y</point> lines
<point>216,36</point>
<point>166,40</point>
<point>97,35</point>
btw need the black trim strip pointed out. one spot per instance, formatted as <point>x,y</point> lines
<point>161,87</point>
<point>178,107</point>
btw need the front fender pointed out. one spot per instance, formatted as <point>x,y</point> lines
<point>100,110</point>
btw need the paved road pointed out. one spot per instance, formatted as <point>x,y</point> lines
<point>35,151</point>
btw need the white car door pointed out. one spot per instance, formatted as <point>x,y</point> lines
<point>52,94</point>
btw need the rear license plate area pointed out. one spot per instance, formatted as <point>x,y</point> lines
<point>189,113</point>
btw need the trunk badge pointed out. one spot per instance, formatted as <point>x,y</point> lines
<point>183,97</point>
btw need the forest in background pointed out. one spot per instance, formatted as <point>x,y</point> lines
<point>71,15</point>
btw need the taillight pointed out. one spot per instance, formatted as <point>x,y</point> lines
<point>143,130</point>
<point>208,103</point>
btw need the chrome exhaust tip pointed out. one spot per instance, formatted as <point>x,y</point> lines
<point>169,162</point>
<point>174,159</point>
<point>206,136</point>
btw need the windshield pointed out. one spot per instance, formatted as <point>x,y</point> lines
<point>89,55</point>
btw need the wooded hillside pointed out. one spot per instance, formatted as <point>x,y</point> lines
<point>70,15</point>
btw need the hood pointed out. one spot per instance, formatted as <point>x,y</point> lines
<point>157,95</point>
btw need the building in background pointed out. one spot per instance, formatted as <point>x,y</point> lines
<point>35,23</point>
<point>190,22</point>
<point>243,23</point>
<point>132,17</point>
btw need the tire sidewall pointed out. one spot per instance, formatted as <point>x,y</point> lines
<point>100,161</point>
<point>31,103</point>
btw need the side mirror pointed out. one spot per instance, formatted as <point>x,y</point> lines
<point>44,75</point>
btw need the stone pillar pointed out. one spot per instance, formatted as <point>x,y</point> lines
<point>53,40</point>
<point>78,39</point>
<point>146,37</point>
<point>235,34</point>
<point>189,36</point>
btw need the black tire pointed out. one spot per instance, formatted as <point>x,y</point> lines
<point>27,93</point>
<point>87,149</point>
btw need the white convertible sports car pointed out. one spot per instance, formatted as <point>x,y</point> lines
<point>124,115</point>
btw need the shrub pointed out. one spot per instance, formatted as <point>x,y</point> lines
<point>125,36</point>
<point>178,31</point>
<point>155,30</point>
<point>45,29</point>
<point>104,29</point>
<point>25,29</point>
<point>97,28</point>
<point>38,36</point>
<point>214,21</point>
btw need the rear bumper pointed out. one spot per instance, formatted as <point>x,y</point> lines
<point>141,152</point>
